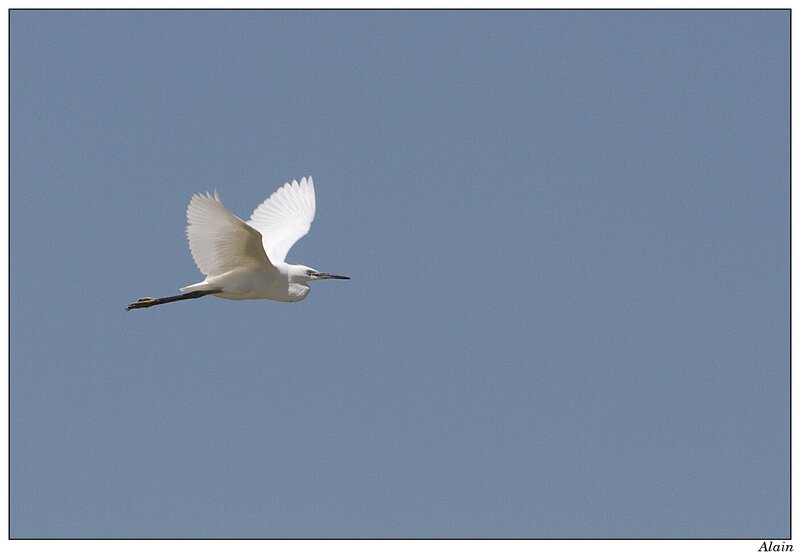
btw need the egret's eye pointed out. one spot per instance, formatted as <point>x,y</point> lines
<point>310,272</point>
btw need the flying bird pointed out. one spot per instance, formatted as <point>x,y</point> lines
<point>246,260</point>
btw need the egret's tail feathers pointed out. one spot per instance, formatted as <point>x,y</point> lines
<point>195,287</point>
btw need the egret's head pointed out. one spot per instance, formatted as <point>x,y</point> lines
<point>303,274</point>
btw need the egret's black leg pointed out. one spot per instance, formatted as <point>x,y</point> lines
<point>147,302</point>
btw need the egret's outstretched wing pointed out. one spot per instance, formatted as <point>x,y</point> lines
<point>219,240</point>
<point>285,217</point>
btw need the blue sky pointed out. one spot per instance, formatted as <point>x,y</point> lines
<point>568,237</point>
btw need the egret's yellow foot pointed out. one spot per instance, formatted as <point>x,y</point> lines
<point>142,303</point>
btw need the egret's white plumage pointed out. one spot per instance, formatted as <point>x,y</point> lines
<point>285,217</point>
<point>219,240</point>
<point>246,260</point>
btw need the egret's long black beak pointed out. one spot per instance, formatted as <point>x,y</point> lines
<point>329,276</point>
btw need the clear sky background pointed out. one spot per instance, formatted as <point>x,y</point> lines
<point>568,237</point>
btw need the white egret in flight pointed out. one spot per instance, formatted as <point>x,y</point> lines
<point>245,260</point>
